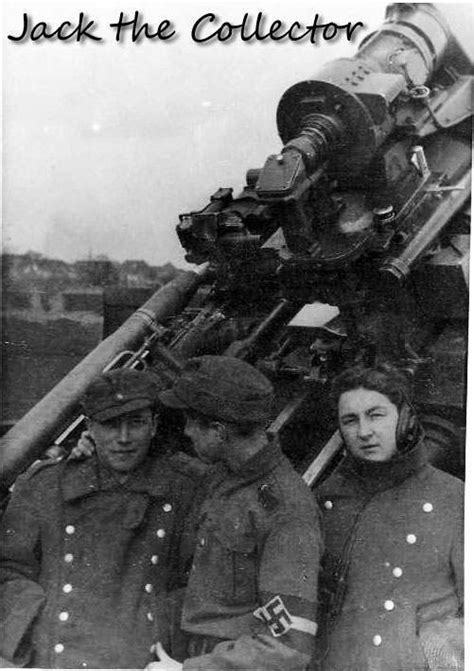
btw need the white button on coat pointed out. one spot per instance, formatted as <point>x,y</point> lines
<point>428,507</point>
<point>411,538</point>
<point>64,616</point>
<point>67,588</point>
<point>70,529</point>
<point>68,558</point>
<point>377,640</point>
<point>389,605</point>
<point>149,588</point>
<point>59,647</point>
<point>397,572</point>
<point>167,507</point>
<point>328,505</point>
<point>154,559</point>
<point>149,617</point>
<point>161,533</point>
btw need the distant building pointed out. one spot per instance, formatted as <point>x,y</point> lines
<point>98,272</point>
<point>32,271</point>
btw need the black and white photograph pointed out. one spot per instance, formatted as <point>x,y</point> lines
<point>234,318</point>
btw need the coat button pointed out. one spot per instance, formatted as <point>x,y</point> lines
<point>428,507</point>
<point>154,559</point>
<point>68,558</point>
<point>167,507</point>
<point>149,588</point>
<point>67,588</point>
<point>328,505</point>
<point>377,640</point>
<point>389,605</point>
<point>161,533</point>
<point>411,538</point>
<point>202,542</point>
<point>59,647</point>
<point>397,572</point>
<point>64,616</point>
<point>149,617</point>
<point>70,529</point>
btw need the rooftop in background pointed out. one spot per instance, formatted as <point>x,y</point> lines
<point>33,271</point>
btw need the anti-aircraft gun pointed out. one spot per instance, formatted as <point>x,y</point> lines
<point>365,208</point>
<point>349,245</point>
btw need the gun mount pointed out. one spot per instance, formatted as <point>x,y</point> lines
<point>365,208</point>
<point>362,219</point>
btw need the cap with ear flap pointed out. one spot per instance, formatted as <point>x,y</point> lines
<point>409,430</point>
<point>393,383</point>
<point>223,388</point>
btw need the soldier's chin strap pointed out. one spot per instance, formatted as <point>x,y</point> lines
<point>280,621</point>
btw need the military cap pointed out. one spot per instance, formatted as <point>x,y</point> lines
<point>222,388</point>
<point>119,391</point>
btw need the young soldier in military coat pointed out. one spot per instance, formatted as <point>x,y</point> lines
<point>87,548</point>
<point>252,591</point>
<point>392,577</point>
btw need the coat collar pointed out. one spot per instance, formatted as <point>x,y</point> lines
<point>258,466</point>
<point>378,476</point>
<point>262,463</point>
<point>81,478</point>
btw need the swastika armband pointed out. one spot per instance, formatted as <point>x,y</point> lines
<point>279,620</point>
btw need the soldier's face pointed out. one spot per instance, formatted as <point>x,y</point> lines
<point>205,437</point>
<point>368,424</point>
<point>122,443</point>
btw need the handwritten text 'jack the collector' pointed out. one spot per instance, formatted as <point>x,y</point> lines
<point>206,29</point>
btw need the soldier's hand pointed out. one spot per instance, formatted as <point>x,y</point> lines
<point>165,662</point>
<point>84,449</point>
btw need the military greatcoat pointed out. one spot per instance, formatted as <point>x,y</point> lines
<point>393,570</point>
<point>84,563</point>
<point>252,591</point>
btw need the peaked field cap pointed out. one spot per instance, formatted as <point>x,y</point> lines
<point>119,391</point>
<point>223,388</point>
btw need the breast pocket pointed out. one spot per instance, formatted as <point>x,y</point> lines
<point>239,567</point>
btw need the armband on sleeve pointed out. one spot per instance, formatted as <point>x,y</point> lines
<point>280,621</point>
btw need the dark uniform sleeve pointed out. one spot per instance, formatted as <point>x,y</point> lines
<point>287,580</point>
<point>249,653</point>
<point>188,493</point>
<point>21,597</point>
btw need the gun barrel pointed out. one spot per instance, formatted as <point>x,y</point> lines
<point>398,267</point>
<point>40,426</point>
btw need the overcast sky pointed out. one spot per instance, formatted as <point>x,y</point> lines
<point>105,143</point>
